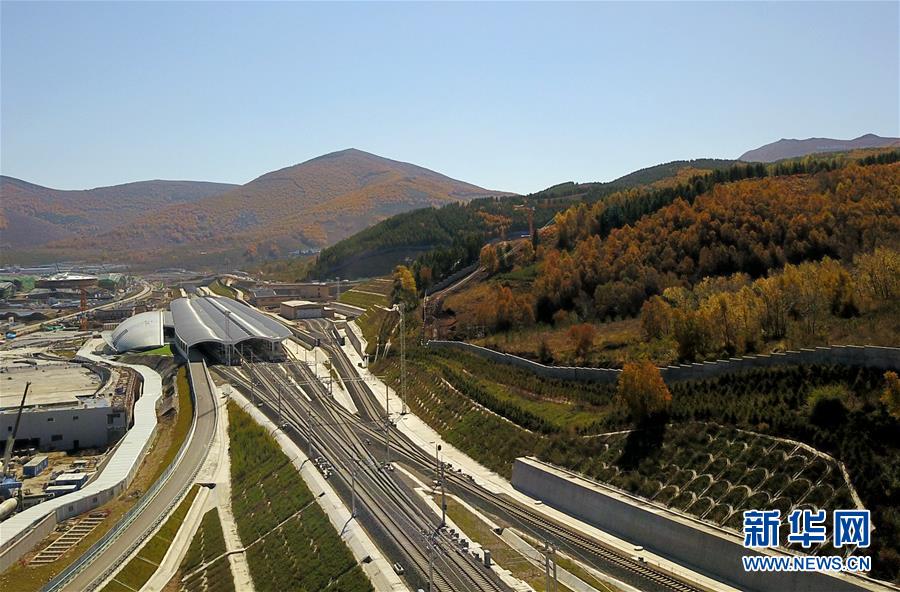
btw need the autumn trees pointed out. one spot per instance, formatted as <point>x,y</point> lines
<point>751,226</point>
<point>734,315</point>
<point>404,288</point>
<point>582,338</point>
<point>505,310</point>
<point>878,273</point>
<point>891,394</point>
<point>641,390</point>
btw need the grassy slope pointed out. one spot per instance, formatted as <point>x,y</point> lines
<point>222,290</point>
<point>305,553</point>
<point>771,402</point>
<point>207,546</point>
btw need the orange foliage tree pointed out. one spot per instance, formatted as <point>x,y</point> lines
<point>891,395</point>
<point>582,338</point>
<point>642,391</point>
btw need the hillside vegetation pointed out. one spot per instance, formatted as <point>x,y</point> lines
<point>311,204</point>
<point>789,256</point>
<point>715,456</point>
<point>443,240</point>
<point>31,215</point>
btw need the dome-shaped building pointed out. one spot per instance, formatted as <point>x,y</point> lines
<point>143,331</point>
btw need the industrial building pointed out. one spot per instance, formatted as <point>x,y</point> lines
<point>304,309</point>
<point>68,406</point>
<point>272,295</point>
<point>225,329</point>
<point>118,313</point>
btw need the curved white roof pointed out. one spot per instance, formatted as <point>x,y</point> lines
<point>142,331</point>
<point>222,320</point>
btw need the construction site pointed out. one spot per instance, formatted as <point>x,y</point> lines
<point>58,417</point>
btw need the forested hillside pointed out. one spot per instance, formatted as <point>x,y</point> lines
<point>750,226</point>
<point>731,262</point>
<point>443,240</point>
<point>32,215</point>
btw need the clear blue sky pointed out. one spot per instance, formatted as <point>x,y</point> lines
<point>508,96</point>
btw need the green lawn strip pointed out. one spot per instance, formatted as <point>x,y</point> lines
<point>183,420</point>
<point>218,576</point>
<point>221,289</point>
<point>141,568</point>
<point>559,414</point>
<point>304,553</point>
<point>207,544</point>
<point>115,586</point>
<point>165,350</point>
<point>363,299</point>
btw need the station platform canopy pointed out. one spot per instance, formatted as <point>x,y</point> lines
<point>221,321</point>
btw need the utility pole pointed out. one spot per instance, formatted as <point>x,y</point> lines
<point>353,476</point>
<point>439,480</point>
<point>424,315</point>
<point>550,567</point>
<point>402,359</point>
<point>443,500</point>
<point>437,462</point>
<point>387,425</point>
<point>309,433</point>
<point>280,416</point>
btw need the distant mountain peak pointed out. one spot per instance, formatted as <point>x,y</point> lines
<point>312,203</point>
<point>794,148</point>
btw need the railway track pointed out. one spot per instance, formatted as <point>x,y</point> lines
<point>371,421</point>
<point>537,522</point>
<point>398,516</point>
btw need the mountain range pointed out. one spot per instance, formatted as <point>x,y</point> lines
<point>32,215</point>
<point>785,148</point>
<point>307,205</point>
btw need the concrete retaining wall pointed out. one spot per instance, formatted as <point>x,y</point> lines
<point>348,310</point>
<point>453,278</point>
<point>712,552</point>
<point>845,355</point>
<point>350,330</point>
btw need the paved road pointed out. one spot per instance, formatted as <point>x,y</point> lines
<point>205,427</point>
